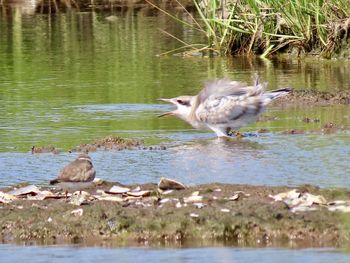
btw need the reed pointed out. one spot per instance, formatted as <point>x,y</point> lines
<point>265,27</point>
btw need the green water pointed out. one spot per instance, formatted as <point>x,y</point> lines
<point>70,78</point>
<point>53,66</point>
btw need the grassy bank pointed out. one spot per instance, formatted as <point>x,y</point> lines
<point>266,27</point>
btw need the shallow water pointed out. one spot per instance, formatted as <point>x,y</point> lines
<point>69,254</point>
<point>70,78</point>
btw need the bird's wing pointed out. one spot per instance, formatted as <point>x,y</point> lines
<point>77,171</point>
<point>227,109</point>
<point>224,87</point>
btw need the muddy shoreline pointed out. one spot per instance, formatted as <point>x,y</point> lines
<point>241,215</point>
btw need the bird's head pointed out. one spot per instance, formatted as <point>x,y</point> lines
<point>84,157</point>
<point>183,104</point>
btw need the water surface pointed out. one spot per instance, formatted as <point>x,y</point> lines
<point>70,78</point>
<point>69,254</point>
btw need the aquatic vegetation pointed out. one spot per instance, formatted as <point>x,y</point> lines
<point>265,27</point>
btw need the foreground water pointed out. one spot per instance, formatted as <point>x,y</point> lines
<point>67,79</point>
<point>207,254</point>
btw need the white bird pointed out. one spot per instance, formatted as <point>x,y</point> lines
<point>224,105</point>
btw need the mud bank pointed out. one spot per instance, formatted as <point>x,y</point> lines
<point>232,214</point>
<point>314,98</point>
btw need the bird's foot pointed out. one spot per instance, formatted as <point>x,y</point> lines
<point>233,133</point>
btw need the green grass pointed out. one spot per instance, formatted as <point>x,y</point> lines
<point>266,27</point>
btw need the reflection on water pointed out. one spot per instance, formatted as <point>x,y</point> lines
<point>69,78</point>
<point>196,158</point>
<point>69,254</point>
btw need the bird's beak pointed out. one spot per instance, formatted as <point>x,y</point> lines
<point>169,112</point>
<point>167,100</point>
<point>166,114</point>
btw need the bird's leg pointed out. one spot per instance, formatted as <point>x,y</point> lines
<point>220,132</point>
<point>66,195</point>
<point>233,133</point>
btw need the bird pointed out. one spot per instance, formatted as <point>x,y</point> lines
<point>224,105</point>
<point>77,175</point>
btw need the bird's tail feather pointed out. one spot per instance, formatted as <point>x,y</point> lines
<point>274,94</point>
<point>55,181</point>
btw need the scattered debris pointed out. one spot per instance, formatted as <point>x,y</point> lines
<point>108,143</point>
<point>263,118</point>
<point>234,197</point>
<point>329,128</point>
<point>77,212</point>
<point>43,195</point>
<point>111,198</point>
<point>81,198</point>
<point>44,149</point>
<point>300,202</point>
<point>178,205</point>
<point>118,190</point>
<point>26,190</point>
<point>199,205</point>
<point>225,210</point>
<point>6,198</point>
<point>167,192</point>
<point>169,184</point>
<point>98,181</point>
<point>193,199</point>
<point>263,130</point>
<point>196,193</point>
<point>194,215</point>
<point>139,193</point>
<point>339,205</point>
<point>309,120</point>
<point>293,131</point>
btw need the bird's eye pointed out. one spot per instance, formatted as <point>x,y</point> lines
<point>182,102</point>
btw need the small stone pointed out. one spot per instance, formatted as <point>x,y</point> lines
<point>225,210</point>
<point>139,194</point>
<point>167,192</point>
<point>98,181</point>
<point>193,199</point>
<point>49,220</point>
<point>234,197</point>
<point>194,215</point>
<point>166,184</point>
<point>118,190</point>
<point>30,189</point>
<point>339,208</point>
<point>165,200</point>
<point>77,212</point>
<point>196,193</point>
<point>199,205</point>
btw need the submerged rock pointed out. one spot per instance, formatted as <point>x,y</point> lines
<point>44,149</point>
<point>108,143</point>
